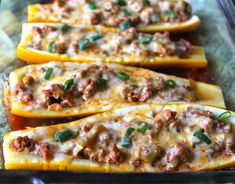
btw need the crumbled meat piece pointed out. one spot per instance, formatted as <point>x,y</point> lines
<point>227,128</point>
<point>95,18</point>
<point>176,155</point>
<point>28,80</point>
<point>37,31</point>
<point>164,116</point>
<point>22,144</point>
<point>60,3</point>
<point>23,93</point>
<point>130,34</point>
<point>87,88</point>
<point>55,107</point>
<point>96,70</point>
<point>229,145</point>
<point>111,7</point>
<point>45,150</point>
<point>61,48</point>
<point>114,157</point>
<point>56,97</point>
<point>136,163</point>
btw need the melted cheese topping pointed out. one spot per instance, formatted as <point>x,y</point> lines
<point>167,144</point>
<point>43,97</point>
<point>110,13</point>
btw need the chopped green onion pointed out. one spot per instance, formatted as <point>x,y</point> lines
<point>92,5</point>
<point>125,25</point>
<point>200,135</point>
<point>51,47</point>
<point>126,142</point>
<point>170,84</point>
<point>171,14</point>
<point>45,123</point>
<point>123,76</point>
<point>143,128</point>
<point>67,84</point>
<point>64,135</point>
<point>121,2</point>
<point>95,37</point>
<point>126,13</point>
<point>146,39</point>
<point>146,2</point>
<point>48,73</point>
<point>101,82</point>
<point>83,44</point>
<point>224,116</point>
<point>65,28</point>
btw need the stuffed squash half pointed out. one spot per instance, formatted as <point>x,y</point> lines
<point>42,43</point>
<point>145,15</point>
<point>144,138</point>
<point>67,89</point>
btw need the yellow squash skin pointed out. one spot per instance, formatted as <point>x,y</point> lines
<point>186,26</point>
<point>19,160</point>
<point>196,59</point>
<point>207,93</point>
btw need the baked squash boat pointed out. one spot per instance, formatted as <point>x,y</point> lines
<point>145,15</point>
<point>42,43</point>
<point>144,138</point>
<point>68,89</point>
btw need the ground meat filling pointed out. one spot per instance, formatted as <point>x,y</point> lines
<point>156,88</point>
<point>177,155</point>
<point>24,90</point>
<point>113,13</point>
<point>26,144</point>
<point>77,41</point>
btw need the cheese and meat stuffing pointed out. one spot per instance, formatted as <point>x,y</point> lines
<point>73,41</point>
<point>71,89</point>
<point>146,138</point>
<point>112,13</point>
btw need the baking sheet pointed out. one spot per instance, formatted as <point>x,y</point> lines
<point>213,35</point>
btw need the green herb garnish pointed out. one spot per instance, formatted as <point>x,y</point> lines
<point>170,84</point>
<point>146,2</point>
<point>83,44</point>
<point>171,14</point>
<point>126,13</point>
<point>224,116</point>
<point>200,135</point>
<point>51,47</point>
<point>146,39</point>
<point>123,76</point>
<point>95,37</point>
<point>101,82</point>
<point>92,5</point>
<point>143,128</point>
<point>48,73</point>
<point>65,28</point>
<point>126,142</point>
<point>125,25</point>
<point>64,135</point>
<point>121,2</point>
<point>67,84</point>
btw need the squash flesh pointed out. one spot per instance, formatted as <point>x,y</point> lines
<point>16,160</point>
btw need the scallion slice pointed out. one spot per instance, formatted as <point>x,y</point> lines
<point>51,47</point>
<point>171,14</point>
<point>64,135</point>
<point>67,84</point>
<point>126,142</point>
<point>121,2</point>
<point>92,5</point>
<point>224,116</point>
<point>200,135</point>
<point>101,82</point>
<point>123,76</point>
<point>95,37</point>
<point>48,73</point>
<point>146,39</point>
<point>170,83</point>
<point>65,28</point>
<point>83,44</point>
<point>143,128</point>
<point>125,25</point>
